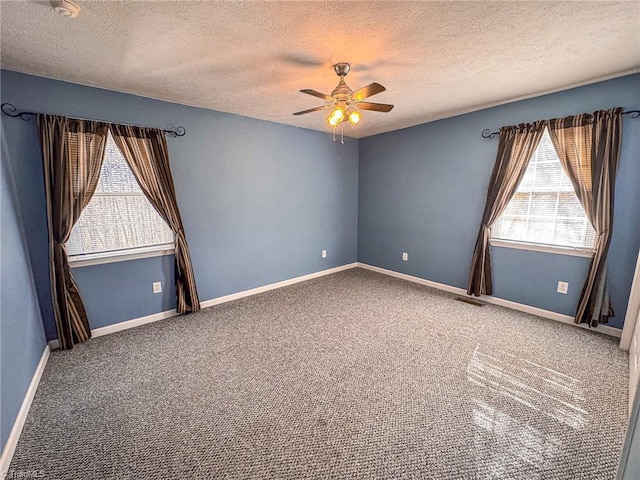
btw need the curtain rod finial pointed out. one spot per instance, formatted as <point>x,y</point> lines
<point>486,133</point>
<point>10,110</point>
<point>178,132</point>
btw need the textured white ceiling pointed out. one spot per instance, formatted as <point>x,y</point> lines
<point>436,59</point>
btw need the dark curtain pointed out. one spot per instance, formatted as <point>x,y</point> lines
<point>588,146</point>
<point>72,153</point>
<point>148,156</point>
<point>515,148</point>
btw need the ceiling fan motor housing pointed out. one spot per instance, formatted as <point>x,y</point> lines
<point>66,8</point>
<point>342,91</point>
<point>342,69</point>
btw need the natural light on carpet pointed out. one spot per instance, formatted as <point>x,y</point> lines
<point>547,391</point>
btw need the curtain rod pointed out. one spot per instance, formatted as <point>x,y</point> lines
<point>486,133</point>
<point>11,111</point>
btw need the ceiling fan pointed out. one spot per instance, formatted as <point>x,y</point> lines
<point>344,102</point>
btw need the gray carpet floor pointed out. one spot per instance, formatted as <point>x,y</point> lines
<point>350,376</point>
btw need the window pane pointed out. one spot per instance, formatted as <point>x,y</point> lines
<point>116,176</point>
<point>519,204</point>
<point>119,216</point>
<point>545,208</point>
<point>569,206</point>
<point>529,178</point>
<point>511,228</point>
<point>549,175</point>
<point>571,233</point>
<point>566,183</point>
<point>590,237</point>
<point>543,204</point>
<point>546,151</point>
<point>540,230</point>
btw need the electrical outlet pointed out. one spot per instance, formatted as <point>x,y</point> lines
<point>157,287</point>
<point>563,287</point>
<point>324,254</point>
<point>405,257</point>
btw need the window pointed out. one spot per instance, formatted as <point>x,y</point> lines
<point>545,209</point>
<point>119,222</point>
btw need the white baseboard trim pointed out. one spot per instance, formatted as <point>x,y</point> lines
<point>14,436</point>
<point>273,286</point>
<point>614,332</point>
<point>136,322</point>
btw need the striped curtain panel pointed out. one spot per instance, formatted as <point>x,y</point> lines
<point>72,152</point>
<point>515,148</point>
<point>588,146</point>
<point>146,152</point>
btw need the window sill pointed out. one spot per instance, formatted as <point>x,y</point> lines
<point>89,259</point>
<point>537,247</point>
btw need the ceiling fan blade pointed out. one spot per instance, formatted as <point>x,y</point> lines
<point>367,91</point>
<point>312,110</point>
<point>302,59</point>
<point>317,94</point>
<point>376,107</point>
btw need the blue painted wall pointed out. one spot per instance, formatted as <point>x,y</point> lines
<point>108,301</point>
<point>259,200</point>
<point>422,191</point>
<point>22,337</point>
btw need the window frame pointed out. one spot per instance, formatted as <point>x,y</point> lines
<point>541,247</point>
<point>112,256</point>
<point>123,254</point>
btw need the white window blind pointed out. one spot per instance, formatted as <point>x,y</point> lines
<point>119,217</point>
<point>545,209</point>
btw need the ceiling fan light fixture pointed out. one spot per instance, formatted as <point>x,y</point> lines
<point>331,122</point>
<point>346,103</point>
<point>337,115</point>
<point>354,117</point>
